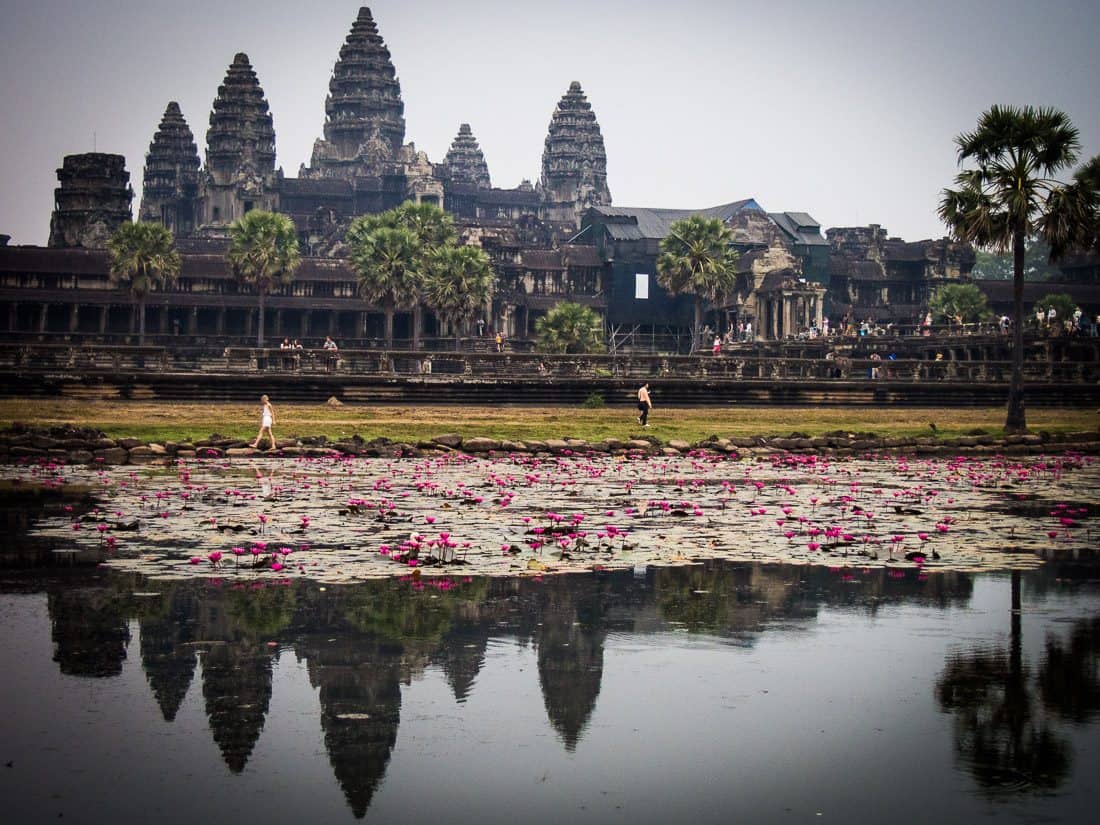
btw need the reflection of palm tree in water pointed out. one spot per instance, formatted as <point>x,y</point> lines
<point>1070,678</point>
<point>1000,732</point>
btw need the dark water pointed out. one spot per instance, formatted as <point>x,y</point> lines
<point>719,693</point>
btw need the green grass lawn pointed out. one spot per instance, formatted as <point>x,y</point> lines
<point>183,422</point>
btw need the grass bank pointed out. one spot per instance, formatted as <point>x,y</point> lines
<point>185,422</point>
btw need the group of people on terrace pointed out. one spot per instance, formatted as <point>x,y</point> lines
<point>292,353</point>
<point>1078,323</point>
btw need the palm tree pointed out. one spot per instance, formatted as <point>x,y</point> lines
<point>697,259</point>
<point>570,328</point>
<point>143,259</point>
<point>458,281</point>
<point>1012,194</point>
<point>388,263</point>
<point>263,252</point>
<point>430,227</point>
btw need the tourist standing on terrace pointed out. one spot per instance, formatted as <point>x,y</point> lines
<point>330,353</point>
<point>267,419</point>
<point>645,404</point>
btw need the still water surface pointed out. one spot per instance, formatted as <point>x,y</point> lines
<point>714,693</point>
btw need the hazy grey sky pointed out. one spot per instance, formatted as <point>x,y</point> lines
<point>844,109</point>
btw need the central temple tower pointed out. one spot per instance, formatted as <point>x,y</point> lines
<point>364,115</point>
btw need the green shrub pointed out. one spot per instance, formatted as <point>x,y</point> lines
<point>594,401</point>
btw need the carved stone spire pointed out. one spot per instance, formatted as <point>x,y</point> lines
<point>240,148</point>
<point>465,162</point>
<point>241,136</point>
<point>574,164</point>
<point>364,114</point>
<point>171,174</point>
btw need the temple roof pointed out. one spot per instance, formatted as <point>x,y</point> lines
<point>317,186</point>
<point>465,161</point>
<point>364,114</point>
<point>504,197</point>
<point>573,157</point>
<point>241,134</point>
<point>172,164</point>
<point>800,227</point>
<point>632,223</point>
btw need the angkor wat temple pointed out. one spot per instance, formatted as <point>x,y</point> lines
<point>558,239</point>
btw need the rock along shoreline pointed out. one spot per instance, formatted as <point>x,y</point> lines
<point>74,445</point>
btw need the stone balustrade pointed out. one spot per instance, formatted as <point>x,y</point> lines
<point>736,366</point>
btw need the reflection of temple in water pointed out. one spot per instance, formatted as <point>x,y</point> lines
<point>236,666</point>
<point>89,630</point>
<point>361,642</point>
<point>570,644</point>
<point>236,684</point>
<point>167,658</point>
<point>359,681</point>
<point>461,655</point>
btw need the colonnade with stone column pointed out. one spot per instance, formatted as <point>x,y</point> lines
<point>783,313</point>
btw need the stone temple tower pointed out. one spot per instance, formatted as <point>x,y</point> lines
<point>240,149</point>
<point>574,163</point>
<point>364,115</point>
<point>465,162</point>
<point>92,202</point>
<point>170,192</point>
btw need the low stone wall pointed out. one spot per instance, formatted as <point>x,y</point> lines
<point>82,446</point>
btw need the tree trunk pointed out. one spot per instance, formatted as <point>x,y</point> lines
<point>697,323</point>
<point>260,327</point>
<point>417,322</point>
<point>1015,421</point>
<point>141,321</point>
<point>388,331</point>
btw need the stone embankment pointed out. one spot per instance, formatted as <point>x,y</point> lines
<point>84,446</point>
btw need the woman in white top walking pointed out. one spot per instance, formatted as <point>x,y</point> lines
<point>267,419</point>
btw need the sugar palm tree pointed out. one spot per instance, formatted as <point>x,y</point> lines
<point>143,258</point>
<point>263,252</point>
<point>697,259</point>
<point>1012,193</point>
<point>388,263</point>
<point>431,228</point>
<point>458,281</point>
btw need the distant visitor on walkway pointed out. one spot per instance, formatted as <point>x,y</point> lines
<point>267,420</point>
<point>645,404</point>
